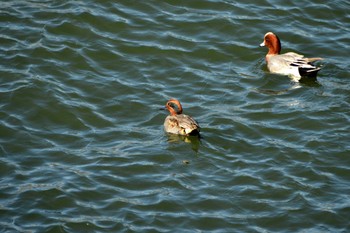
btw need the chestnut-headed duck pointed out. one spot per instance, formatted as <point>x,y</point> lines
<point>293,64</point>
<point>178,123</point>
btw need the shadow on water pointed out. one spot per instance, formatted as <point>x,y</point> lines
<point>310,82</point>
<point>303,82</point>
<point>193,140</point>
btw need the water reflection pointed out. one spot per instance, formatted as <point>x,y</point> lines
<point>312,82</point>
<point>193,140</point>
<point>277,92</point>
<point>302,82</point>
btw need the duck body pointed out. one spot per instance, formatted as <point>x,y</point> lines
<point>292,64</point>
<point>178,123</point>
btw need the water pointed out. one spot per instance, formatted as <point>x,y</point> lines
<point>82,144</point>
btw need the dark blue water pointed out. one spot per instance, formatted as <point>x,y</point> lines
<point>82,147</point>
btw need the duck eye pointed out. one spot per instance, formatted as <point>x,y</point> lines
<point>173,106</point>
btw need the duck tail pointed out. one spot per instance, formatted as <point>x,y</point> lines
<point>310,72</point>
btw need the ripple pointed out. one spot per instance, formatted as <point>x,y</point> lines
<point>82,142</point>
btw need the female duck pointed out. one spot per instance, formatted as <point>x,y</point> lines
<point>178,123</point>
<point>290,63</point>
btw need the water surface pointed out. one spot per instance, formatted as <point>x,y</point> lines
<point>82,147</point>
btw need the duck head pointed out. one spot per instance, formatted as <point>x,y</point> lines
<point>174,107</point>
<point>272,42</point>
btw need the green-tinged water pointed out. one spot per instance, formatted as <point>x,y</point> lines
<point>82,146</point>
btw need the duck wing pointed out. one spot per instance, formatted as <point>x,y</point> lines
<point>188,124</point>
<point>293,64</point>
<point>181,124</point>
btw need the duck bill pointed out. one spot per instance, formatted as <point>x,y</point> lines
<point>262,44</point>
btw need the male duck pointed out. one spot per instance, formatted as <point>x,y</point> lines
<point>290,63</point>
<point>178,123</point>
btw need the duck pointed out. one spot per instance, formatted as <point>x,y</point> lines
<point>292,64</point>
<point>179,123</point>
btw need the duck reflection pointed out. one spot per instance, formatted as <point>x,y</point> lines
<point>193,140</point>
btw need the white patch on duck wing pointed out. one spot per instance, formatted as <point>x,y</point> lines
<point>300,62</point>
<point>304,64</point>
